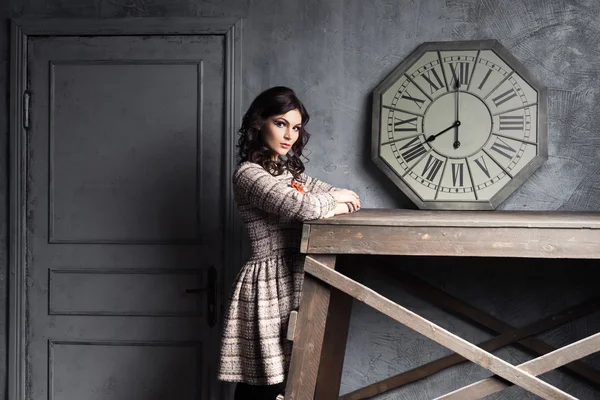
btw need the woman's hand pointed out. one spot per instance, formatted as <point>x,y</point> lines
<point>340,208</point>
<point>346,196</point>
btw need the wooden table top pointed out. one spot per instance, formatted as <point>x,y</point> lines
<point>538,234</point>
<point>478,219</point>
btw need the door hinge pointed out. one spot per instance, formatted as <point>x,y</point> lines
<point>26,113</point>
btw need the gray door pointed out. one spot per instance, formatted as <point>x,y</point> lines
<point>125,213</point>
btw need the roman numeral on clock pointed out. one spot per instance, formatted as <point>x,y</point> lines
<point>481,164</point>
<point>406,125</point>
<point>460,70</point>
<point>501,147</point>
<point>457,174</point>
<point>485,78</point>
<point>511,123</point>
<point>504,97</point>
<point>432,167</point>
<point>413,149</point>
<point>419,102</point>
<point>433,86</point>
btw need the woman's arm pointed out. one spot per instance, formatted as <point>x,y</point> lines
<point>316,186</point>
<point>344,196</point>
<point>275,196</point>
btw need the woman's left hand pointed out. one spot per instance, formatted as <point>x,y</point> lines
<point>340,208</point>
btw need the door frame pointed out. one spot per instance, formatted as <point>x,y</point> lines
<point>24,28</point>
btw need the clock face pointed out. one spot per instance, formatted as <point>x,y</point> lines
<point>458,128</point>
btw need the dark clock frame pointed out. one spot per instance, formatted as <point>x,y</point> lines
<point>518,179</point>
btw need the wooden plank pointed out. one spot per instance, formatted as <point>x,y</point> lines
<point>449,303</point>
<point>334,348</point>
<point>329,378</point>
<point>434,332</point>
<point>305,238</point>
<point>537,366</point>
<point>455,241</point>
<point>308,338</point>
<point>291,330</point>
<point>475,219</point>
<point>508,337</point>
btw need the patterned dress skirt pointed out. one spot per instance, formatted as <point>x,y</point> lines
<point>254,347</point>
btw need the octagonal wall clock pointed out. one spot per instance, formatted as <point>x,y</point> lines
<point>459,125</point>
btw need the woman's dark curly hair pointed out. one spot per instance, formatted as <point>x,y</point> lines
<point>251,146</point>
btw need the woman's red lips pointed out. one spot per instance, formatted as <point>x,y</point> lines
<point>286,145</point>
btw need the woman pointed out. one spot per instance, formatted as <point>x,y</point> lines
<point>273,196</point>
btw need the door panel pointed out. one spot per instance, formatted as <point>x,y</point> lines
<point>125,212</point>
<point>112,364</point>
<point>125,159</point>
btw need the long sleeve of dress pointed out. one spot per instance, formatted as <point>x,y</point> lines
<point>314,185</point>
<point>276,196</point>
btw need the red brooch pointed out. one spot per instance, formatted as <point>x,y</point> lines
<point>296,185</point>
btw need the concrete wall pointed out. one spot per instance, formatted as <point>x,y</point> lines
<point>333,53</point>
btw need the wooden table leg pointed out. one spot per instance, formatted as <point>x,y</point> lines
<point>308,338</point>
<point>329,377</point>
<point>434,332</point>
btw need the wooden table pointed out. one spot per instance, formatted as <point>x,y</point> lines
<point>323,317</point>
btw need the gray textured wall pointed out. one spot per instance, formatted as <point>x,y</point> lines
<point>333,53</point>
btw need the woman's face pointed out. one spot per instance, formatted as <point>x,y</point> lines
<point>280,132</point>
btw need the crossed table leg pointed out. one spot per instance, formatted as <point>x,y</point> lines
<point>308,341</point>
<point>538,366</point>
<point>523,336</point>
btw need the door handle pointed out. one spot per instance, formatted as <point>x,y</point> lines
<point>211,295</point>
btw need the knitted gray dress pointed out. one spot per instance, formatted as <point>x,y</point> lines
<point>254,347</point>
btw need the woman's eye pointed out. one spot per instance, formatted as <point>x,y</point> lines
<point>279,124</point>
<point>297,128</point>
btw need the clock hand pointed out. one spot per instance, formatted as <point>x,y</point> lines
<point>432,137</point>
<point>456,142</point>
